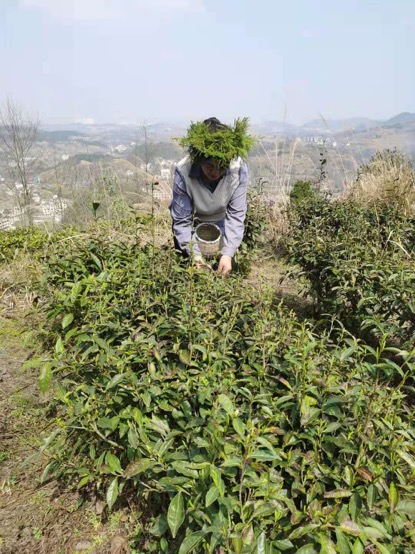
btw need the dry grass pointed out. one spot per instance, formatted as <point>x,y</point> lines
<point>16,282</point>
<point>388,177</point>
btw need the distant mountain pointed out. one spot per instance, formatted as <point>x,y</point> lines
<point>401,119</point>
<point>270,127</point>
<point>340,124</point>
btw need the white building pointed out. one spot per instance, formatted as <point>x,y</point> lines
<point>165,173</point>
<point>120,148</point>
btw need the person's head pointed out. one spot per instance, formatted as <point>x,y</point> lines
<point>213,168</point>
<point>213,145</point>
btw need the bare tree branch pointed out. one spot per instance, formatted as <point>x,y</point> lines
<point>18,134</point>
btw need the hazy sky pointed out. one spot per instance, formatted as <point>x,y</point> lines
<point>137,60</point>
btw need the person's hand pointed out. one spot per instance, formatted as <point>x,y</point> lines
<point>200,263</point>
<point>225,265</point>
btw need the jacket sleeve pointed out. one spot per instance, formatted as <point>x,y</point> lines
<point>181,210</point>
<point>235,215</point>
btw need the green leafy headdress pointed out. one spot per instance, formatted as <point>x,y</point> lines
<point>211,139</point>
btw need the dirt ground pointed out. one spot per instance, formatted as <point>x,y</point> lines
<point>39,519</point>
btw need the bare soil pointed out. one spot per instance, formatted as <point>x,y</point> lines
<point>39,519</point>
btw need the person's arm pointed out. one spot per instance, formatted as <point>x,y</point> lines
<point>181,210</point>
<point>235,215</point>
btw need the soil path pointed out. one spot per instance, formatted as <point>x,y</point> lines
<point>36,519</point>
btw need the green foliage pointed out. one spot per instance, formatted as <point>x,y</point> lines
<point>256,225</point>
<point>302,190</point>
<point>358,262</point>
<point>29,240</point>
<point>234,425</point>
<point>224,145</point>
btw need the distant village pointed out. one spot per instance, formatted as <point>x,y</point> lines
<point>49,209</point>
<point>71,161</point>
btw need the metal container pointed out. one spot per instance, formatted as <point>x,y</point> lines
<point>208,237</point>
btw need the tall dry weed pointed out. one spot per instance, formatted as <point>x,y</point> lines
<point>388,177</point>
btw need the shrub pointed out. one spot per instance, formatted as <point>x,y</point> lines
<point>233,425</point>
<point>302,190</point>
<point>28,239</point>
<point>358,262</point>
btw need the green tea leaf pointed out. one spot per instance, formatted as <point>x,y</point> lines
<point>115,380</point>
<point>239,426</point>
<point>45,378</point>
<point>175,514</point>
<point>112,493</point>
<point>301,531</point>
<point>338,493</point>
<point>211,496</point>
<point>67,320</point>
<point>358,547</point>
<point>226,404</point>
<point>350,528</point>
<point>283,545</point>
<point>406,507</point>
<point>342,542</point>
<point>307,549</point>
<point>114,463</point>
<point>59,348</point>
<point>355,506</point>
<point>137,467</point>
<point>393,496</point>
<point>261,545</point>
<point>191,541</point>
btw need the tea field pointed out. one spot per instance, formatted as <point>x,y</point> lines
<point>182,412</point>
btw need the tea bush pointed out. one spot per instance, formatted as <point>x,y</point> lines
<point>359,263</point>
<point>233,425</point>
<point>29,239</point>
<point>301,191</point>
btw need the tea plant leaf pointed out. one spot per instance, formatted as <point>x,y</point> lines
<point>342,542</point>
<point>327,545</point>
<point>239,426</point>
<point>67,320</point>
<point>358,547</point>
<point>406,507</point>
<point>393,496</point>
<point>133,439</point>
<point>226,404</point>
<point>191,541</point>
<point>114,463</point>
<point>184,469</point>
<point>261,545</point>
<point>59,348</point>
<point>307,549</point>
<point>301,531</point>
<point>308,412</point>
<point>410,460</point>
<point>211,496</point>
<point>382,549</point>
<point>283,545</point>
<point>350,528</point>
<point>45,378</point>
<point>175,514</point>
<point>160,526</point>
<point>338,493</point>
<point>112,493</point>
<point>137,467</point>
<point>115,381</point>
<point>355,506</point>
